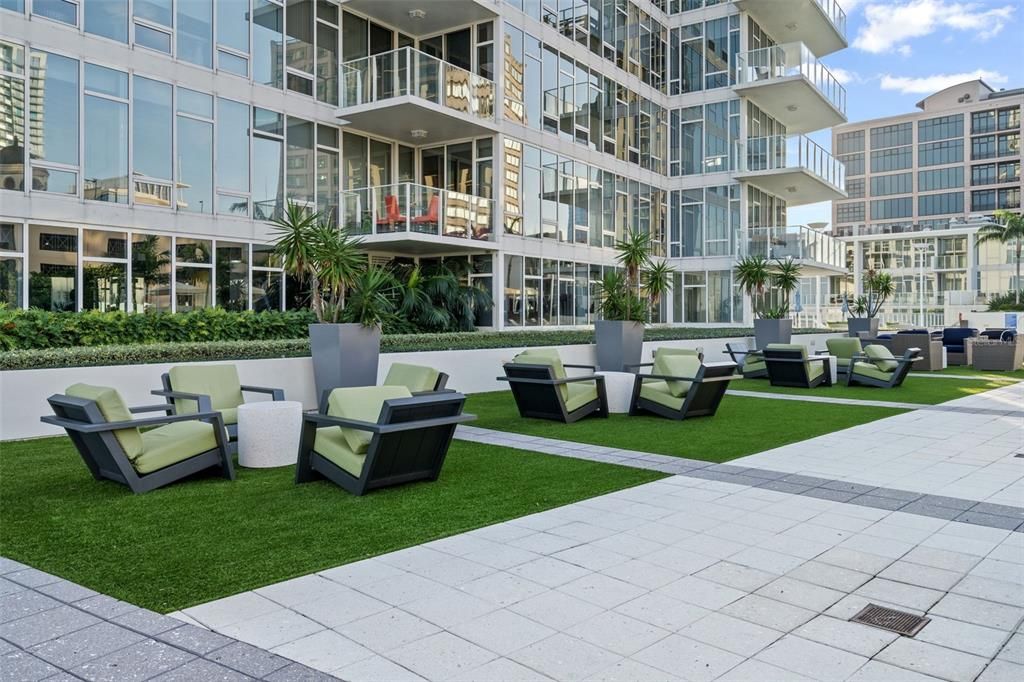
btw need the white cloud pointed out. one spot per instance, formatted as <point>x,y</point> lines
<point>926,85</point>
<point>845,76</point>
<point>890,26</point>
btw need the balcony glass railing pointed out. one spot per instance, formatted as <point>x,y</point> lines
<point>834,13</point>
<point>798,242</point>
<point>795,152</point>
<point>409,72</point>
<point>408,207</point>
<point>790,59</point>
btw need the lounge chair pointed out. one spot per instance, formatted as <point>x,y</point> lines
<point>681,386</point>
<point>877,366</point>
<point>543,390</point>
<point>844,348</point>
<point>789,365</point>
<point>750,362</point>
<point>417,378</point>
<point>110,443</point>
<point>957,341</point>
<point>376,436</point>
<point>183,385</point>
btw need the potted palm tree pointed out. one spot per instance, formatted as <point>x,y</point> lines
<point>627,297</point>
<point>345,345</point>
<point>1007,228</point>
<point>878,287</point>
<point>769,287</point>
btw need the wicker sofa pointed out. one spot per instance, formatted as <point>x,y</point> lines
<point>958,343</point>
<point>996,355</point>
<point>902,341</point>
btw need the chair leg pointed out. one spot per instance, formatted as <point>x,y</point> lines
<point>227,465</point>
<point>303,468</point>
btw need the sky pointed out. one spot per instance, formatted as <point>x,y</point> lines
<point>903,50</point>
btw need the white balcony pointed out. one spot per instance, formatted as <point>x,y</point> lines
<point>821,24</point>
<point>818,252</point>
<point>410,96</point>
<point>792,167</point>
<point>416,219</point>
<point>788,83</point>
<point>426,17</point>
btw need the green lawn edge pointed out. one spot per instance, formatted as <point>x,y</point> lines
<point>915,389</point>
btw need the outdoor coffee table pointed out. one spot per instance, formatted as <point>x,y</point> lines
<point>619,387</point>
<point>268,433</point>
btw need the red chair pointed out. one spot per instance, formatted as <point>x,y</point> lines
<point>391,213</point>
<point>430,217</point>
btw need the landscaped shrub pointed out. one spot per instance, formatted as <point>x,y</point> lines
<point>138,354</point>
<point>1006,302</point>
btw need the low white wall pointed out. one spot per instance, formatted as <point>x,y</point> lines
<point>23,393</point>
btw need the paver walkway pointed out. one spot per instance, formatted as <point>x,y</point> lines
<point>713,573</point>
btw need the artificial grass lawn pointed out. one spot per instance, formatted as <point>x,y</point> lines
<point>915,389</point>
<point>207,538</point>
<point>742,426</point>
<point>964,370</point>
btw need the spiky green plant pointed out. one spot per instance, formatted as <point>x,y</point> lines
<point>1007,228</point>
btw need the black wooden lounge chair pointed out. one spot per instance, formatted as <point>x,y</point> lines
<point>377,436</point>
<point>543,390</point>
<point>750,362</point>
<point>681,387</point>
<point>789,365</point>
<point>112,447</point>
<point>183,385</point>
<point>877,366</point>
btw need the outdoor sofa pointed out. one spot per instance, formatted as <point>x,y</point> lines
<point>543,390</point>
<point>750,362</point>
<point>681,386</point>
<point>113,447</point>
<point>375,436</point>
<point>878,367</point>
<point>957,341</point>
<point>1003,354</point>
<point>789,365</point>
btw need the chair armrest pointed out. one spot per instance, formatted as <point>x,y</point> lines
<point>592,368</point>
<point>642,364</point>
<point>277,393</point>
<point>163,407</point>
<point>434,392</point>
<point>694,380</point>
<point>82,427</point>
<point>551,382</point>
<point>205,404</point>
<point>326,420</point>
<point>856,357</point>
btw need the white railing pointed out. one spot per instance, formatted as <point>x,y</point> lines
<point>409,72</point>
<point>790,59</point>
<point>798,242</point>
<point>835,14</point>
<point>790,151</point>
<point>408,207</point>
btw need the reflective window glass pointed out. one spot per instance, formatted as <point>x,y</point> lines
<point>189,250</point>
<point>54,105</point>
<point>232,145</point>
<point>107,18</point>
<point>53,268</point>
<point>12,133</point>
<point>105,171</point>
<point>104,81</point>
<point>157,11</point>
<point>192,102</point>
<point>192,288</point>
<point>195,165</point>
<point>153,39</point>
<point>232,63</point>
<point>13,5</point>
<point>104,286</point>
<point>267,177</point>
<point>11,278</point>
<point>267,39</point>
<point>267,289</point>
<point>326,63</point>
<point>233,24</point>
<point>232,275</point>
<point>301,165</point>
<point>299,21</point>
<point>151,273</point>
<point>58,10</point>
<point>153,120</point>
<point>195,32</point>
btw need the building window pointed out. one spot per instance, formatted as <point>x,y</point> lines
<point>1009,119</point>
<point>855,189</point>
<point>107,18</point>
<point>848,143</point>
<point>54,106</point>
<point>983,122</point>
<point>900,183</point>
<point>940,204</point>
<point>892,159</point>
<point>854,164</point>
<point>892,136</point>
<point>983,174</point>
<point>53,268</point>
<point>940,153</point>
<point>941,178</point>
<point>64,11</point>
<point>195,151</point>
<point>850,213</point>
<point>105,171</point>
<point>983,147</point>
<point>1009,171</point>
<point>1009,198</point>
<point>1009,145</point>
<point>885,209</point>
<point>940,128</point>
<point>983,200</point>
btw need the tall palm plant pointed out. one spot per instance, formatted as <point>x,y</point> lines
<point>339,262</point>
<point>371,297</point>
<point>785,279</point>
<point>620,291</point>
<point>1007,228</point>
<point>753,274</point>
<point>657,283</point>
<point>294,245</point>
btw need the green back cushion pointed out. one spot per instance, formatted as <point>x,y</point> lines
<point>788,346</point>
<point>220,382</point>
<point>549,357</point>
<point>845,347</point>
<point>677,366</point>
<point>416,378</point>
<point>675,351</point>
<point>881,357</point>
<point>113,409</point>
<point>361,403</point>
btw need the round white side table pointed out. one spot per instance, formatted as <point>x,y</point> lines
<point>619,386</point>
<point>833,369</point>
<point>268,433</point>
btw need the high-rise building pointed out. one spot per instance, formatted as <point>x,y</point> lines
<point>522,137</point>
<point>919,187</point>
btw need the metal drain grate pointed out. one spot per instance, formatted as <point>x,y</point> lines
<point>892,620</point>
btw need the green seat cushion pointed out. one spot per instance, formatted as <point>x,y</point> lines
<point>843,362</point>
<point>173,443</point>
<point>416,378</point>
<point>814,370</point>
<point>881,357</point>
<point>753,363</point>
<point>677,366</point>
<point>361,403</point>
<point>664,350</point>
<point>220,382</point>
<point>331,443</point>
<point>113,409</point>
<point>869,369</point>
<point>658,391</point>
<point>580,393</point>
<point>229,415</point>
<point>843,348</point>
<point>550,358</point>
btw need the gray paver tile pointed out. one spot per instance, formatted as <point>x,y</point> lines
<point>400,589</point>
<point>1014,650</point>
<point>925,507</point>
<point>324,651</point>
<point>298,590</point>
<point>732,634</point>
<point>932,660</point>
<point>92,642</point>
<point>827,575</point>
<point>502,631</point>
<point>602,590</point>
<point>878,502</point>
<point>628,670</point>
<point>21,666</point>
<point>618,633</point>
<point>201,671</point>
<point>922,576</point>
<point>10,565</point>
<point>31,577</point>
<point>990,520</point>
<point>45,625</point>
<point>557,610</point>
<point>136,662</point>
<point>876,671</point>
<point>248,659</point>
<point>565,658</point>
<point>236,608</point>
<point>273,629</point>
<point>941,558</point>
<point>296,672</point>
<point>376,669</point>
<point>1002,671</point>
<point>549,571</point>
<point>103,606</point>
<point>66,591</point>
<point>956,634</point>
<point>441,656</point>
<point>769,613</point>
<point>502,670</point>
<point>811,658</point>
<point>978,611</point>
<point>388,630</point>
<point>753,670</point>
<point>800,593</point>
<point>146,622</point>
<point>194,639</point>
<point>855,560</point>
<point>8,587</point>
<point>363,572</point>
<point>999,509</point>
<point>642,574</point>
<point>24,603</point>
<point>664,612</point>
<point>739,577</point>
<point>849,487</point>
<point>910,596</point>
<point>842,634</point>
<point>447,610</point>
<point>688,658</point>
<point>1011,593</point>
<point>340,606</point>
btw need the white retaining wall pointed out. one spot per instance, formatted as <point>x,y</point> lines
<point>23,393</point>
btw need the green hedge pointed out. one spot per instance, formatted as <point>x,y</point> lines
<point>138,354</point>
<point>28,329</point>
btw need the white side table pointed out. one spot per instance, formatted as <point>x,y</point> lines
<point>945,358</point>
<point>619,386</point>
<point>833,369</point>
<point>268,433</point>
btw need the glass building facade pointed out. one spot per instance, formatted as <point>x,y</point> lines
<point>144,146</point>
